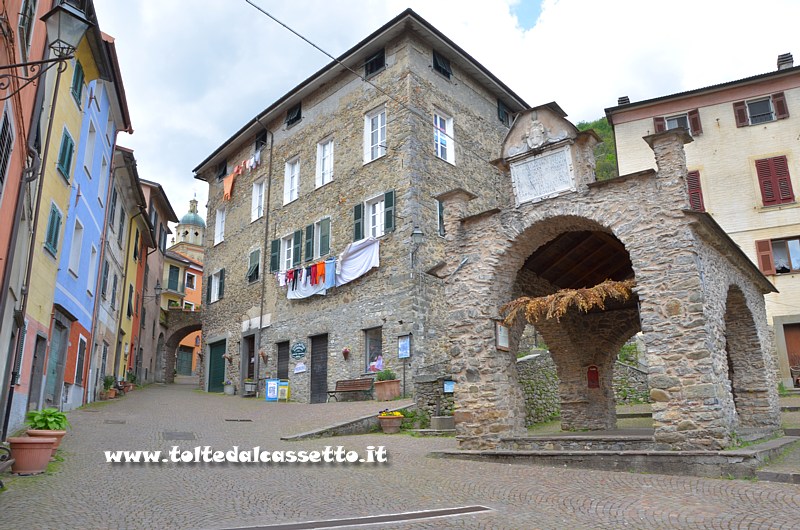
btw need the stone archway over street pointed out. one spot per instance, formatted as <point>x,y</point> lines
<point>179,324</point>
<point>562,230</point>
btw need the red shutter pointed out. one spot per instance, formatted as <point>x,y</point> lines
<point>695,191</point>
<point>694,122</point>
<point>779,105</point>
<point>765,181</point>
<point>740,112</point>
<point>764,253</point>
<point>784,181</point>
<point>659,125</point>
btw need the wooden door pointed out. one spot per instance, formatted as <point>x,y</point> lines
<point>792,334</point>
<point>216,366</point>
<point>319,369</point>
<point>283,360</point>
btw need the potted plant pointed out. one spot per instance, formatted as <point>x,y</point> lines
<point>387,386</point>
<point>131,383</point>
<point>48,423</point>
<point>390,421</point>
<point>108,386</point>
<point>30,454</point>
<point>249,386</point>
<point>228,386</point>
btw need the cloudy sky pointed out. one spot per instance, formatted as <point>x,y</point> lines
<point>195,72</point>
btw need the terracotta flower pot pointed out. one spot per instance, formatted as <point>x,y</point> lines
<point>390,424</point>
<point>43,433</point>
<point>30,454</point>
<point>387,390</point>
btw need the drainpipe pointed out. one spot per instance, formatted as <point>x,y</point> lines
<point>264,255</point>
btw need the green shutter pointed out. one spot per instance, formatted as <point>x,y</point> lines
<point>324,236</point>
<point>221,283</point>
<point>104,288</point>
<point>358,222</point>
<point>388,211</point>
<point>77,82</point>
<point>209,286</point>
<point>53,229</point>
<point>310,242</point>
<point>275,255</point>
<point>298,248</point>
<point>440,209</point>
<point>172,282</point>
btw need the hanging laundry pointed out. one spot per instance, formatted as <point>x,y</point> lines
<point>321,272</point>
<point>227,187</point>
<point>281,277</point>
<point>330,272</point>
<point>257,158</point>
<point>357,259</point>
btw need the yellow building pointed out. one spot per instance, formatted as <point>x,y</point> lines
<point>744,169</point>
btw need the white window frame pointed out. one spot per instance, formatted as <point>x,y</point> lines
<point>324,162</point>
<point>214,286</point>
<point>91,281</point>
<point>287,252</point>
<point>684,117</point>
<point>768,99</point>
<point>88,152</point>
<point>443,139</point>
<point>260,265</point>
<point>82,365</point>
<point>75,250</point>
<point>219,226</point>
<point>318,236</point>
<point>257,201</point>
<point>374,217</point>
<point>102,188</point>
<point>194,280</point>
<point>188,306</point>
<point>6,146</point>
<point>291,180</point>
<point>375,148</point>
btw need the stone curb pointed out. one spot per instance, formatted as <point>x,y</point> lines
<point>362,425</point>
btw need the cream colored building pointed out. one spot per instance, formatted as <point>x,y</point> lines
<point>744,170</point>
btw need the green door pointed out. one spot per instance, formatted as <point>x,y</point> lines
<point>184,365</point>
<point>216,367</point>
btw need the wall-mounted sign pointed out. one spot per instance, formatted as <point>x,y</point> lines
<point>501,336</point>
<point>543,176</point>
<point>449,387</point>
<point>298,350</point>
<point>299,368</point>
<point>404,347</point>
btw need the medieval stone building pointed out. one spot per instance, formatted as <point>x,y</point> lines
<point>349,165</point>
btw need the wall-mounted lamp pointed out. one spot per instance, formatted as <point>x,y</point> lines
<point>65,26</point>
<point>417,236</point>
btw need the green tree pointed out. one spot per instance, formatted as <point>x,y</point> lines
<point>605,153</point>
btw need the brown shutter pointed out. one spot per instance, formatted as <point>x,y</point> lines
<point>740,112</point>
<point>774,180</point>
<point>780,106</point>
<point>694,122</point>
<point>764,172</point>
<point>659,125</point>
<point>783,179</point>
<point>695,191</point>
<point>764,253</point>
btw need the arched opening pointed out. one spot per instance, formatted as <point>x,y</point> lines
<point>175,361</point>
<point>747,373</point>
<point>583,345</point>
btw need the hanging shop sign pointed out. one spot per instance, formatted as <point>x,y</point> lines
<point>298,350</point>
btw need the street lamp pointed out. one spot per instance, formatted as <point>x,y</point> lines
<point>65,26</point>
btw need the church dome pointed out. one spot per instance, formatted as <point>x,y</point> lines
<point>193,218</point>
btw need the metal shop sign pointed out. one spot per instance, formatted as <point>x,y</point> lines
<point>298,350</point>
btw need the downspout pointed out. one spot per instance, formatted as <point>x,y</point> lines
<point>264,254</point>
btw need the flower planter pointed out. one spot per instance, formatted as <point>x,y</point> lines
<point>387,390</point>
<point>43,433</point>
<point>249,387</point>
<point>390,424</point>
<point>31,455</point>
<point>228,389</point>
<point>112,393</point>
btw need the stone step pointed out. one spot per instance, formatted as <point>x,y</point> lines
<point>434,432</point>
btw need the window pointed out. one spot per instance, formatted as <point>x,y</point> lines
<point>291,180</point>
<point>318,239</point>
<point>75,249</point>
<point>257,204</point>
<point>440,217</point>
<point>374,349</point>
<point>190,281</point>
<point>503,113</point>
<point>774,180</point>
<point>53,230</point>
<point>65,154</point>
<point>324,162</point>
<point>778,256</point>
<point>761,110</point>
<point>162,238</point>
<point>219,226</point>
<point>112,208</point>
<point>6,147</point>
<point>104,179</point>
<point>689,121</point>
<point>121,227</point>
<point>441,65</point>
<point>91,279</point>
<point>375,63</point>
<point>136,246</point>
<point>291,250</point>
<point>216,286</point>
<point>222,170</point>
<point>375,135</point>
<point>80,361</point>
<point>26,21</point>
<point>77,83</point>
<point>188,306</point>
<point>293,115</point>
<point>88,154</point>
<point>114,292</point>
<point>375,217</point>
<point>443,144</point>
<point>130,301</point>
<point>254,266</point>
<point>261,140</point>
<point>695,191</point>
<point>173,278</point>
<point>104,279</point>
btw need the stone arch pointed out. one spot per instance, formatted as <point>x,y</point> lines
<point>747,372</point>
<point>174,339</point>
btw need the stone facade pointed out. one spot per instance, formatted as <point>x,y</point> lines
<point>396,298</point>
<point>709,376</point>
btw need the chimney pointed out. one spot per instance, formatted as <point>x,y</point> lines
<point>785,60</point>
<point>624,100</point>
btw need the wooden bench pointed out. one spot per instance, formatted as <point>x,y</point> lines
<point>5,461</point>
<point>363,384</point>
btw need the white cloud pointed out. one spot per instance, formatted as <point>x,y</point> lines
<point>196,72</point>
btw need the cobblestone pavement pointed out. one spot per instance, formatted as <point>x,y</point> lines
<point>86,492</point>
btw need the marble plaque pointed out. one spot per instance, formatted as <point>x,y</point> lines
<point>543,176</point>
